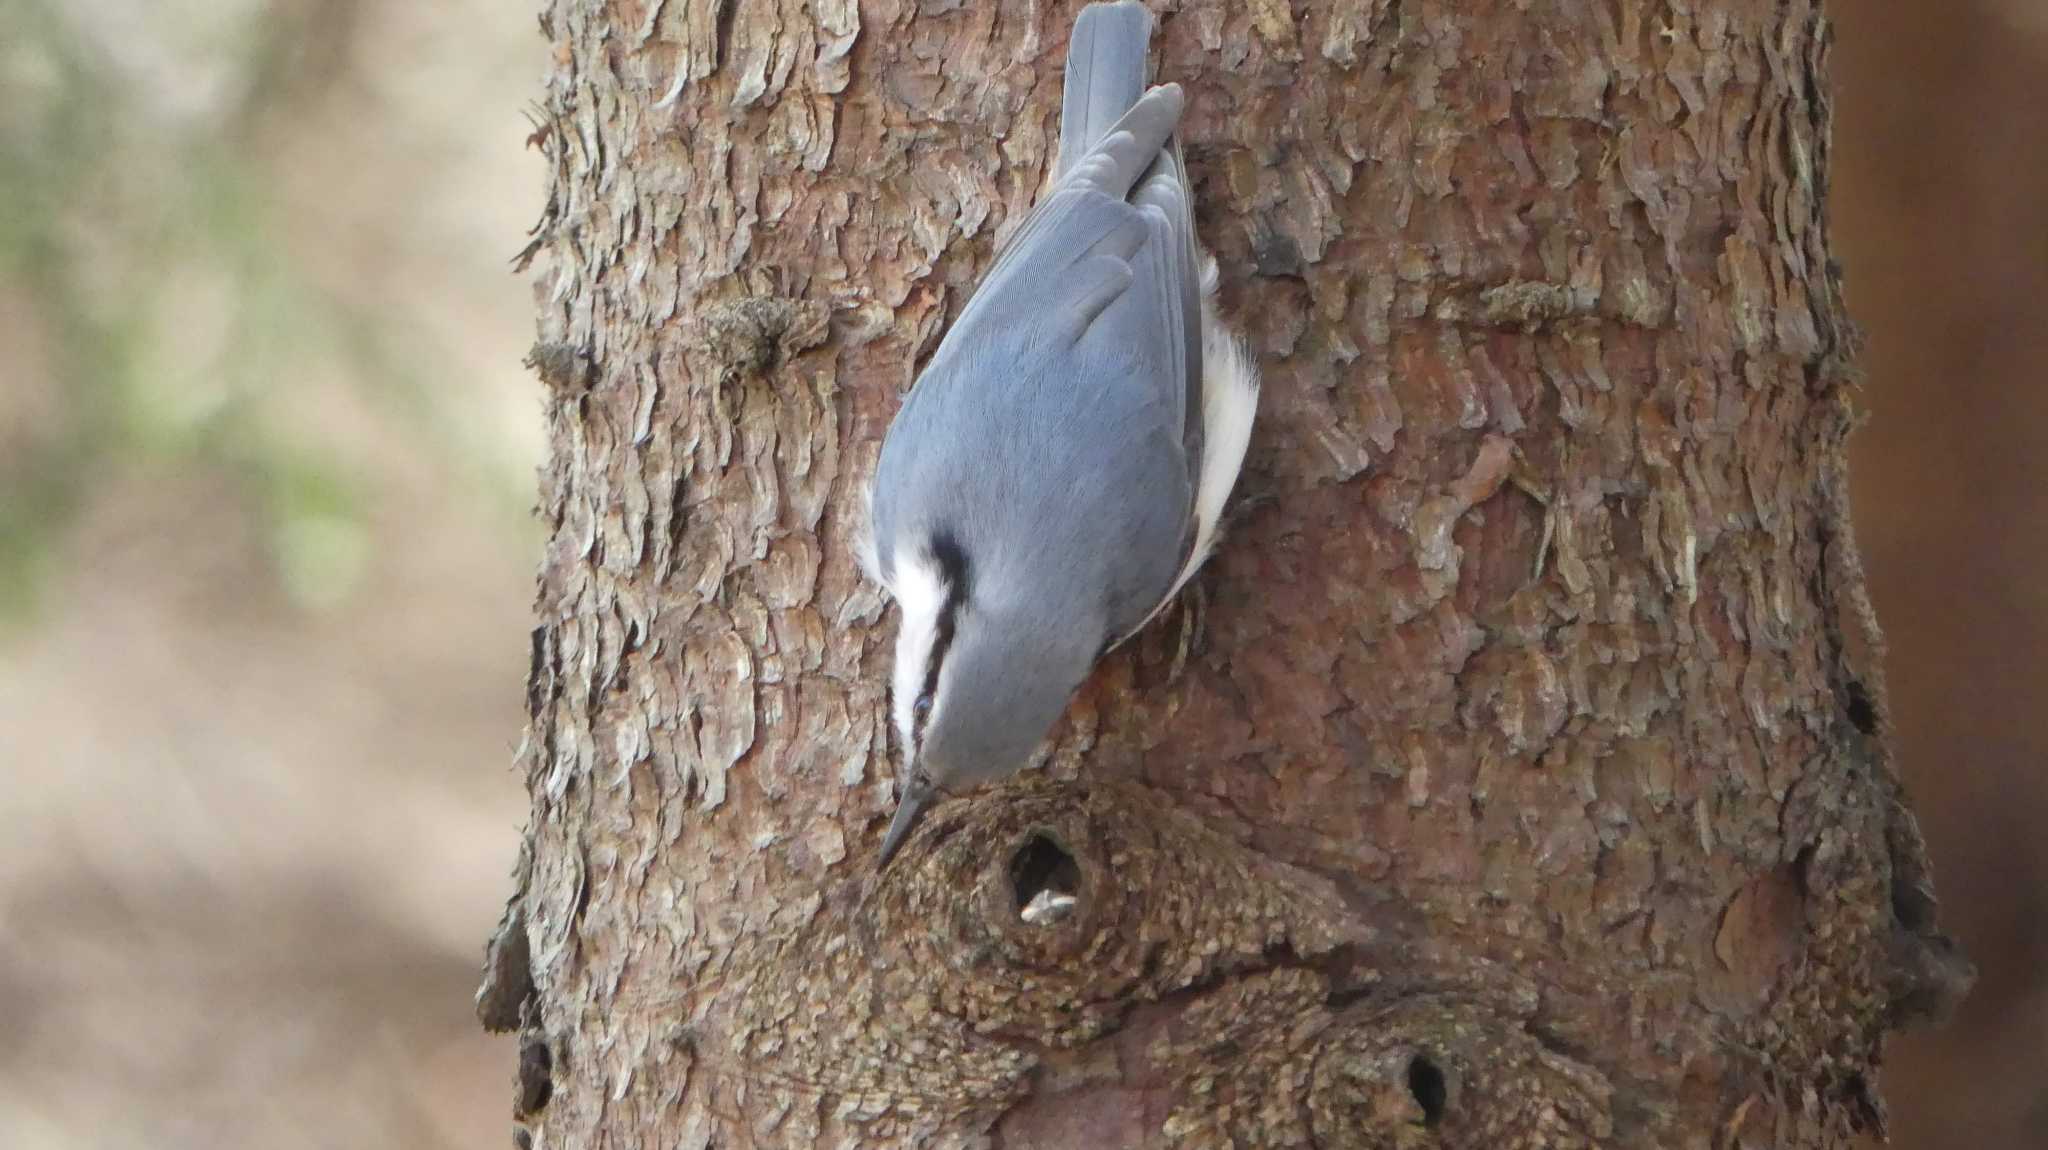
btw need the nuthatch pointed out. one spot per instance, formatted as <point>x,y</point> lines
<point>1057,472</point>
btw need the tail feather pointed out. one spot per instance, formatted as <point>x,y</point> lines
<point>1105,75</point>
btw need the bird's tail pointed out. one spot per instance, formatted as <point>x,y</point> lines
<point>1105,75</point>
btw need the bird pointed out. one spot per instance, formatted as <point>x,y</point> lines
<point>1058,471</point>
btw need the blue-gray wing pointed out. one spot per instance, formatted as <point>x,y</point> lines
<point>1105,80</point>
<point>1097,210</point>
<point>1107,258</point>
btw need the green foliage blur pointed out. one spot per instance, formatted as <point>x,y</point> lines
<point>152,312</point>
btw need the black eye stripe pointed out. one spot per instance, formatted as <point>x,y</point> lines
<point>951,558</point>
<point>946,551</point>
<point>942,639</point>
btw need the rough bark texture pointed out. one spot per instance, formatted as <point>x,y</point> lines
<point>1515,775</point>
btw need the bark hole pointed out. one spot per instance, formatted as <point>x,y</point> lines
<point>1426,1083</point>
<point>1862,710</point>
<point>536,1074</point>
<point>1043,879</point>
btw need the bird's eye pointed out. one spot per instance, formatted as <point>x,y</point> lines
<point>922,709</point>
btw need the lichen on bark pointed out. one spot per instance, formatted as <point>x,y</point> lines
<point>1516,773</point>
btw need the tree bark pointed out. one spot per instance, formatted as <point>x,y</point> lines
<point>1515,775</point>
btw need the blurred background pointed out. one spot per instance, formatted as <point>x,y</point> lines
<point>266,454</point>
<point>266,563</point>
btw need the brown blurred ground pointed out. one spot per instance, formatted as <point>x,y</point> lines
<point>258,809</point>
<point>1941,221</point>
<point>256,820</point>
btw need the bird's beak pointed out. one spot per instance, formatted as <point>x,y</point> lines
<point>909,809</point>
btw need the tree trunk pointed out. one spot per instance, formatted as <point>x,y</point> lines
<point>1515,774</point>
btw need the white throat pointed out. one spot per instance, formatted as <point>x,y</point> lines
<point>920,592</point>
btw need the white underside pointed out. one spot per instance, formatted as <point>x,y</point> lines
<point>1230,403</point>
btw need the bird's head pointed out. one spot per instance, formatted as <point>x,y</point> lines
<point>984,665</point>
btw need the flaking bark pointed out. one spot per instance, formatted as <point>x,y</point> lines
<point>1514,776</point>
